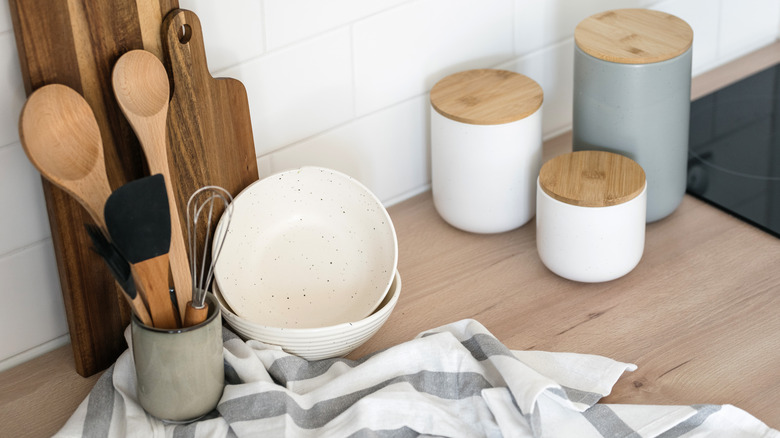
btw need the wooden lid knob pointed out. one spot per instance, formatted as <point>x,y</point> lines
<point>633,36</point>
<point>486,97</point>
<point>592,178</point>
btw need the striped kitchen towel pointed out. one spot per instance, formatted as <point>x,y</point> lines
<point>454,381</point>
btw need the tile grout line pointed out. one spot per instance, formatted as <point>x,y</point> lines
<point>341,125</point>
<point>16,251</point>
<point>353,69</point>
<point>307,39</point>
<point>718,27</point>
<point>358,117</point>
<point>264,20</point>
<point>9,145</point>
<point>514,27</point>
<point>32,353</point>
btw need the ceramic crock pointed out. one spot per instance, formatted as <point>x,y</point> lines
<point>486,149</point>
<point>590,215</point>
<point>632,95</point>
<point>180,372</point>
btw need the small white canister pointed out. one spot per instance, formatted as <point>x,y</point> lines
<point>590,215</point>
<point>486,149</point>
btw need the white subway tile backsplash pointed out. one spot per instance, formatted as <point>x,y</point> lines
<point>702,16</point>
<point>5,17</point>
<point>230,34</point>
<point>288,21</point>
<point>747,23</point>
<point>387,150</point>
<point>539,23</point>
<point>298,91</point>
<point>33,310</point>
<point>11,89</point>
<point>24,220</point>
<point>402,52</point>
<point>342,84</point>
<point>553,69</point>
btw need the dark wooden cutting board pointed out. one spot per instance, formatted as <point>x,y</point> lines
<point>76,43</point>
<point>209,128</point>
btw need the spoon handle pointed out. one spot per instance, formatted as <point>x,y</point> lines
<point>151,277</point>
<point>153,143</point>
<point>142,90</point>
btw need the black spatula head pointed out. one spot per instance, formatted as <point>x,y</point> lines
<point>139,220</point>
<point>115,261</point>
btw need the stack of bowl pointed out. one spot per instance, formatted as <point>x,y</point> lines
<point>308,263</point>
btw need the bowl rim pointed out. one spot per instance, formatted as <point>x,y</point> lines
<point>377,315</point>
<point>362,187</point>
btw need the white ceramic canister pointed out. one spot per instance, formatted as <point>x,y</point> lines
<point>486,149</point>
<point>590,215</point>
<point>632,95</point>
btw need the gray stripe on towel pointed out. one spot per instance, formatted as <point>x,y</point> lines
<point>577,395</point>
<point>190,430</point>
<point>100,406</point>
<point>702,413</point>
<point>293,368</point>
<point>483,346</point>
<point>452,386</point>
<point>185,431</point>
<point>607,422</point>
<point>403,432</point>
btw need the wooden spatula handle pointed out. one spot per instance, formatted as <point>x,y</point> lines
<point>151,278</point>
<point>139,308</point>
<point>194,316</point>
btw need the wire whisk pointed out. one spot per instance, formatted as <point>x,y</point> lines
<point>202,207</point>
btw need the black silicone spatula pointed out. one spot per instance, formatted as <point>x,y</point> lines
<point>139,222</point>
<point>120,268</point>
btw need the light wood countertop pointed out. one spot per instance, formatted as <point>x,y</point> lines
<point>700,314</point>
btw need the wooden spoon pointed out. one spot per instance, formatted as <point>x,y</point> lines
<point>142,90</point>
<point>61,138</point>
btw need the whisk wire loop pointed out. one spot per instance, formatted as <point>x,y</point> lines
<point>201,273</point>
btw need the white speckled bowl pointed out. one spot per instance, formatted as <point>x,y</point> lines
<point>307,248</point>
<point>316,343</point>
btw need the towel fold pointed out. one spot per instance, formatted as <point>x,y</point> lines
<point>455,381</point>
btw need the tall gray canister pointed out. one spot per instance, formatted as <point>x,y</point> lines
<point>632,88</point>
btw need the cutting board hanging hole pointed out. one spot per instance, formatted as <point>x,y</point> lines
<point>185,33</point>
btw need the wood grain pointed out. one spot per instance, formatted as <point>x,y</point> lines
<point>61,138</point>
<point>194,316</point>
<point>210,136</point>
<point>37,398</point>
<point>486,97</point>
<point>592,178</point>
<point>142,90</point>
<point>633,36</point>
<point>76,43</point>
<point>699,314</point>
<point>151,279</point>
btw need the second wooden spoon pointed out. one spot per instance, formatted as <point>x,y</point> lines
<point>142,90</point>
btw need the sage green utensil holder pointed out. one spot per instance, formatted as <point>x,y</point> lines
<point>180,372</point>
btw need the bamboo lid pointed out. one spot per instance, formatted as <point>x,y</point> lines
<point>486,97</point>
<point>592,178</point>
<point>633,36</point>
